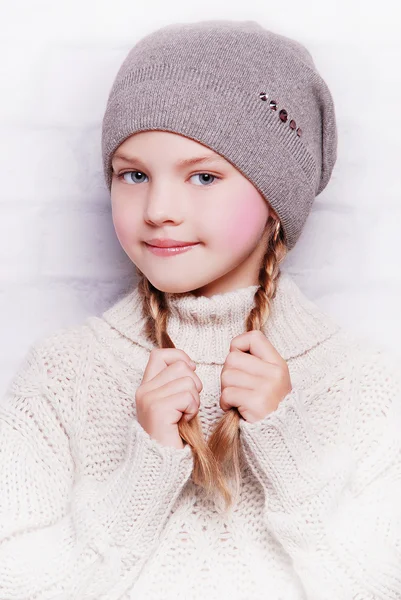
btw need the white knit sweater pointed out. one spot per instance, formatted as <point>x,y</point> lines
<point>92,508</point>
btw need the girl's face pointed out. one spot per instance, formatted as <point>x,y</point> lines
<point>209,203</point>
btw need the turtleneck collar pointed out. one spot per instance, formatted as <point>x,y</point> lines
<point>203,327</point>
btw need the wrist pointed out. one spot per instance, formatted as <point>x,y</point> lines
<point>169,439</point>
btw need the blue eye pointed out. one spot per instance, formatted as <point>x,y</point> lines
<point>208,175</point>
<point>121,175</point>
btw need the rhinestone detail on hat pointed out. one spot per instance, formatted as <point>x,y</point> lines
<point>283,114</point>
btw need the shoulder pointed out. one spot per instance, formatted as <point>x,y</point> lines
<point>375,394</point>
<point>361,362</point>
<point>52,360</point>
<point>70,368</point>
<point>374,375</point>
<point>369,406</point>
<point>352,391</point>
<point>39,399</point>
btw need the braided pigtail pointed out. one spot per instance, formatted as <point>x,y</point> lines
<point>224,441</point>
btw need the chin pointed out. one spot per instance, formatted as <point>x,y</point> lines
<point>169,287</point>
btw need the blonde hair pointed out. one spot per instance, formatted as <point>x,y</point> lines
<point>217,460</point>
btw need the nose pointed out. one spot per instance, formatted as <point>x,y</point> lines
<point>162,204</point>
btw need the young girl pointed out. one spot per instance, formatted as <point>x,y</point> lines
<point>213,434</point>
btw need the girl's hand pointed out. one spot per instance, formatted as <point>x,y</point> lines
<point>254,378</point>
<point>169,390</point>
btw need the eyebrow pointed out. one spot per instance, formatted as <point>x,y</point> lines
<point>179,164</point>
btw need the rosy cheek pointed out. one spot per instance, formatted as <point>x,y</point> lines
<point>243,223</point>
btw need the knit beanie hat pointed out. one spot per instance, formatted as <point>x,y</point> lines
<point>253,96</point>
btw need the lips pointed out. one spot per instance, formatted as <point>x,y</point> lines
<point>170,251</point>
<point>169,243</point>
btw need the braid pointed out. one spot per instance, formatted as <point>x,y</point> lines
<point>224,440</point>
<point>218,459</point>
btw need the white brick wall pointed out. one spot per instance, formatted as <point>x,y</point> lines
<point>60,260</point>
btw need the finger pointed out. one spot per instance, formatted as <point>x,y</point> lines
<point>233,397</point>
<point>256,343</point>
<point>171,374</point>
<point>185,404</point>
<point>160,358</point>
<point>178,386</point>
<point>247,363</point>
<point>241,379</point>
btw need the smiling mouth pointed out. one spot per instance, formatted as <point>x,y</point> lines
<point>169,243</point>
<point>171,250</point>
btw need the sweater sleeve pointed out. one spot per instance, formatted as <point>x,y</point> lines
<point>336,506</point>
<point>63,537</point>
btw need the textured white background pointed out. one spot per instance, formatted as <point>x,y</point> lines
<point>60,260</point>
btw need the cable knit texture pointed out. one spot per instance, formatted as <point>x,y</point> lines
<point>91,507</point>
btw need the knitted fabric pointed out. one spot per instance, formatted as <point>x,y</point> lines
<point>91,507</point>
